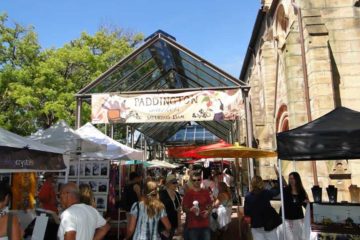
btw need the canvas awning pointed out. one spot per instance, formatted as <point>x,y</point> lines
<point>19,154</point>
<point>115,150</point>
<point>61,135</point>
<point>335,135</point>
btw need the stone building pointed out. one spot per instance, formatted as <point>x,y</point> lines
<point>303,60</point>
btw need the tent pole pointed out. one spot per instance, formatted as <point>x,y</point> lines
<point>78,171</point>
<point>112,130</point>
<point>316,182</point>
<point>282,198</point>
<point>78,112</point>
<point>132,137</point>
<point>294,165</point>
<point>67,168</point>
<point>120,188</point>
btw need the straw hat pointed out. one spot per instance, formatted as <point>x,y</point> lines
<point>170,178</point>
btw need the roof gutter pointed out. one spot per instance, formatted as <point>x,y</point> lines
<point>254,37</point>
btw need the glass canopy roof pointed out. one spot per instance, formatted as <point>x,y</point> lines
<point>193,134</point>
<point>163,65</point>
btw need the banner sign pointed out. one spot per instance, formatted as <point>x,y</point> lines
<point>165,107</point>
<point>16,160</point>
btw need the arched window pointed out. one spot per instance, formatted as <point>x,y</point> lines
<point>282,119</point>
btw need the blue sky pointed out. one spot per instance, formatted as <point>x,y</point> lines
<point>217,30</point>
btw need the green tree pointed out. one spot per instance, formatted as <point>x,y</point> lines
<point>37,86</point>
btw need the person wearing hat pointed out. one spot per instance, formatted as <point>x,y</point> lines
<point>47,194</point>
<point>171,199</point>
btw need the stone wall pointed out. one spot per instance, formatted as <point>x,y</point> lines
<point>331,38</point>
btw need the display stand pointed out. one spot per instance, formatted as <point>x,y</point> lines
<point>94,173</point>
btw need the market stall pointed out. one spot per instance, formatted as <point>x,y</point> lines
<point>22,158</point>
<point>333,136</point>
<point>114,149</point>
<point>19,154</point>
<point>61,135</point>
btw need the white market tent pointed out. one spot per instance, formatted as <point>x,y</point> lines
<point>115,150</point>
<point>19,154</point>
<point>160,164</point>
<point>61,135</point>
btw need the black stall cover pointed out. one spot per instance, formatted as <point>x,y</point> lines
<point>335,135</point>
<point>20,154</point>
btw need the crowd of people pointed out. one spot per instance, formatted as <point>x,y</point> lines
<point>79,219</point>
<point>205,199</point>
<point>265,222</point>
<point>207,202</point>
<point>155,207</point>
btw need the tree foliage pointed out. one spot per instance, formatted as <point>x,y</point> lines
<point>37,86</point>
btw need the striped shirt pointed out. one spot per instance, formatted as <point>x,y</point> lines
<point>146,227</point>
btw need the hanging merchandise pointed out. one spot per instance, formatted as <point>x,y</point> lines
<point>113,196</point>
<point>23,191</point>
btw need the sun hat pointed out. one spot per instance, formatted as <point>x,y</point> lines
<point>171,178</point>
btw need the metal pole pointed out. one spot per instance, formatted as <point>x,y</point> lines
<point>112,130</point>
<point>78,112</point>
<point>132,137</point>
<point>119,213</point>
<point>249,130</point>
<point>145,149</point>
<point>173,90</point>
<point>282,198</point>
<point>127,135</point>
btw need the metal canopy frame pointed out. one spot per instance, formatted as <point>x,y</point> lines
<point>163,65</point>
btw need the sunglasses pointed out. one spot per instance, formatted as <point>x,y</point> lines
<point>174,182</point>
<point>196,180</point>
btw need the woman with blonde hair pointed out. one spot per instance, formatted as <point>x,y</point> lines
<point>146,214</point>
<point>87,195</point>
<point>264,219</point>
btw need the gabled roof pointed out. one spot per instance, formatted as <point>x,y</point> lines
<point>159,64</point>
<point>163,65</point>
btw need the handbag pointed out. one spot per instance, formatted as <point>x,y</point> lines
<point>272,219</point>
<point>137,220</point>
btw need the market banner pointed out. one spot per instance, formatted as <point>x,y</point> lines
<point>166,107</point>
<point>26,160</point>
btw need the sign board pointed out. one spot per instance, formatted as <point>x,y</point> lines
<point>26,160</point>
<point>165,107</point>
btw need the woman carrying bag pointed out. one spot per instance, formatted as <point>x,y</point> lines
<point>172,202</point>
<point>145,216</point>
<point>264,218</point>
